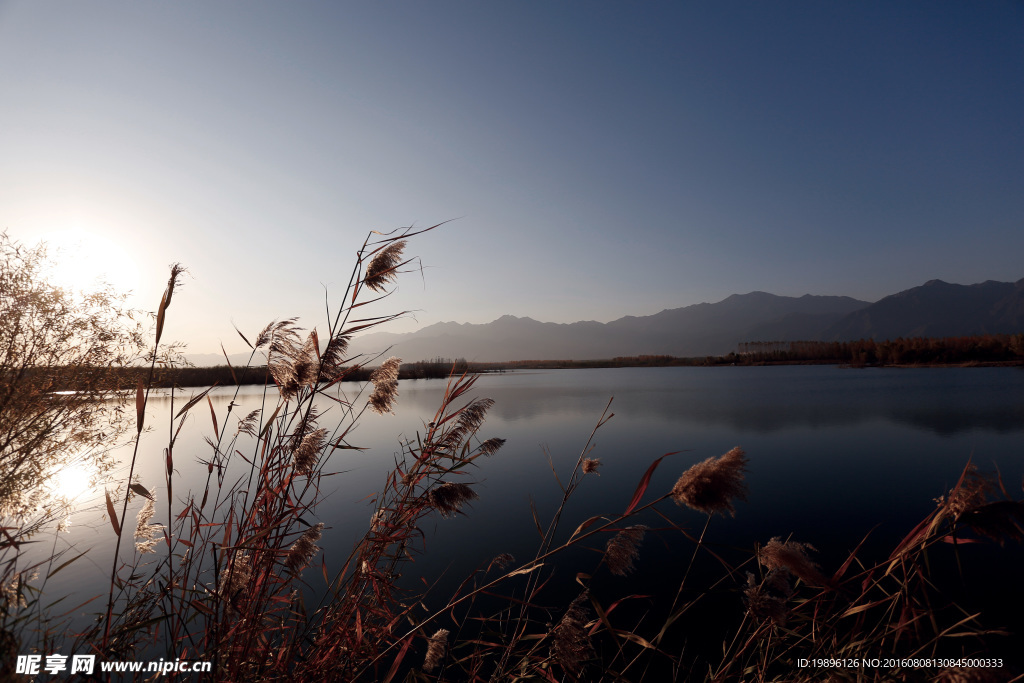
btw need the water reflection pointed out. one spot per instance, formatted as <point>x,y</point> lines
<point>945,401</point>
<point>834,452</point>
<point>805,427</point>
<point>75,481</point>
<point>771,399</point>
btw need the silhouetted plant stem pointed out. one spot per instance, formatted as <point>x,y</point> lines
<point>696,549</point>
<point>531,566</point>
<point>124,507</point>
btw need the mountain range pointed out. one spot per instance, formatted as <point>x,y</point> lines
<point>934,309</point>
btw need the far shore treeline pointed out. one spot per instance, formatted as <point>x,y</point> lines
<point>230,375</point>
<point>975,350</point>
<point>989,349</point>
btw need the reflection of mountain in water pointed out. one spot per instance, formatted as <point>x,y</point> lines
<point>944,401</point>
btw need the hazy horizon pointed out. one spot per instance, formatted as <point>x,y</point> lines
<point>601,160</point>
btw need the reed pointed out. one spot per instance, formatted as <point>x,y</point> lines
<point>226,573</point>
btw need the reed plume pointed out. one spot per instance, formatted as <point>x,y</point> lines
<point>711,485</point>
<point>383,268</point>
<point>334,356</point>
<point>570,645</point>
<point>590,466</point>
<point>385,386</point>
<point>283,372</point>
<point>145,533</point>
<point>503,560</point>
<point>623,549</point>
<point>165,301</point>
<point>263,338</point>
<point>303,550</point>
<point>249,423</point>
<point>491,446</point>
<point>792,557</point>
<point>449,497</point>
<point>451,440</point>
<point>472,416</point>
<point>767,599</point>
<point>307,361</point>
<point>435,650</point>
<point>13,592</point>
<point>235,577</point>
<point>172,283</point>
<point>284,357</point>
<point>305,457</point>
<point>377,519</point>
<point>972,492</point>
<point>276,330</point>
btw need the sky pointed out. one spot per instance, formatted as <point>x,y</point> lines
<point>594,159</point>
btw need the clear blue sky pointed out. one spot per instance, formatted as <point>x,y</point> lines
<point>603,158</point>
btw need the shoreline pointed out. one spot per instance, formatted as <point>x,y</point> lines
<point>222,372</point>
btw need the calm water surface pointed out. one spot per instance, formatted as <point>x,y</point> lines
<point>834,453</point>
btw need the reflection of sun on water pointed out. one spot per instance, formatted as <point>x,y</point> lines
<point>73,482</point>
<point>81,257</point>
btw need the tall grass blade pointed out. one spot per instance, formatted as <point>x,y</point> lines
<point>248,343</point>
<point>112,514</point>
<point>644,483</point>
<point>141,490</point>
<point>67,562</point>
<point>213,416</point>
<point>140,405</point>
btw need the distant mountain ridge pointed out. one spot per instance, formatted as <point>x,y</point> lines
<point>934,309</point>
<point>698,330</point>
<point>937,309</point>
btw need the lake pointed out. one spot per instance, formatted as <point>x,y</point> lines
<point>835,453</point>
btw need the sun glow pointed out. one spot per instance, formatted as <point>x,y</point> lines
<point>73,482</point>
<point>81,258</point>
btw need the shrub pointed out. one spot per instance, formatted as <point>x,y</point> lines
<point>59,385</point>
